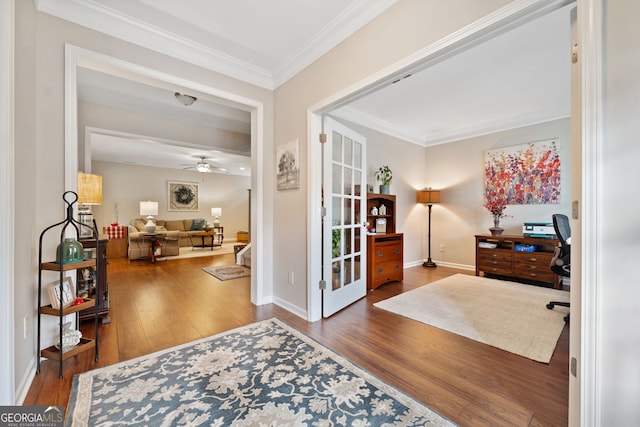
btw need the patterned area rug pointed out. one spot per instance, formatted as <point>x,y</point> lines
<point>228,272</point>
<point>265,373</point>
<point>507,315</point>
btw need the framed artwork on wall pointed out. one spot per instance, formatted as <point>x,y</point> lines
<point>525,174</point>
<point>183,196</point>
<point>68,293</point>
<point>288,167</point>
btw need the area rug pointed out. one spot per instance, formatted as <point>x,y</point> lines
<point>228,272</point>
<point>263,374</point>
<point>508,315</point>
<point>189,252</point>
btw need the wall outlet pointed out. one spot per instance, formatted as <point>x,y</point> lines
<point>291,277</point>
<point>441,248</point>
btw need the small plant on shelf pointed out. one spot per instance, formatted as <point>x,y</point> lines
<point>384,175</point>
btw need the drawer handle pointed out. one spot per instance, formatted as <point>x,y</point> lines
<point>533,259</point>
<point>533,274</point>
<point>494,255</point>
<point>380,253</point>
<point>379,270</point>
<point>397,251</point>
<point>494,262</point>
<point>397,267</point>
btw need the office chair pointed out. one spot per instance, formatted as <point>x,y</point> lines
<point>561,262</point>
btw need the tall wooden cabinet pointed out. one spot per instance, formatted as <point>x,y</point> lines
<point>385,260</point>
<point>92,281</point>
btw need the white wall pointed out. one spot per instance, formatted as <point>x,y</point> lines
<point>618,337</point>
<point>128,185</point>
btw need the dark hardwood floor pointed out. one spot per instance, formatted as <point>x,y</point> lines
<point>155,306</point>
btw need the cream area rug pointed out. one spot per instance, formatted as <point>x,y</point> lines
<point>507,315</point>
<point>189,252</point>
<point>263,374</point>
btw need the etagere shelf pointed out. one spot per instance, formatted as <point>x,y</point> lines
<point>68,227</point>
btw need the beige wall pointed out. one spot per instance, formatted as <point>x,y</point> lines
<point>40,41</point>
<point>456,169</point>
<point>128,185</point>
<point>405,28</point>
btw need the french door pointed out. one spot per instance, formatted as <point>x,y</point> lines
<point>344,200</point>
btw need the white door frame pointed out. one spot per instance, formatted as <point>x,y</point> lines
<point>80,57</point>
<point>586,406</point>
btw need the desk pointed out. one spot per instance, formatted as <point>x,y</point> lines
<point>215,236</point>
<point>497,256</point>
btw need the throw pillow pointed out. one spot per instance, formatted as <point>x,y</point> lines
<point>197,224</point>
<point>139,224</point>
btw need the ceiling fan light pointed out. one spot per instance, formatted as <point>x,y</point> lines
<point>202,167</point>
<point>184,99</point>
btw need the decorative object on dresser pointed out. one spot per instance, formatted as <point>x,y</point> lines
<point>429,197</point>
<point>384,176</point>
<point>512,257</point>
<point>384,250</point>
<point>89,194</point>
<point>496,203</point>
<point>61,308</point>
<point>148,210</point>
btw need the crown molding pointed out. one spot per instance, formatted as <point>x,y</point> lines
<point>459,134</point>
<point>101,18</point>
<point>98,17</point>
<point>335,32</point>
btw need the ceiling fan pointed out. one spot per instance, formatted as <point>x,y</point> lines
<point>203,166</point>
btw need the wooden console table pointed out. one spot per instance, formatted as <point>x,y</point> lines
<point>497,256</point>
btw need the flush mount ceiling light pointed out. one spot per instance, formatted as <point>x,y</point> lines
<point>185,100</point>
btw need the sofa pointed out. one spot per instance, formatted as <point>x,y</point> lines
<point>174,234</point>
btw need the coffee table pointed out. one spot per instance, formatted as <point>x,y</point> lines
<point>215,239</point>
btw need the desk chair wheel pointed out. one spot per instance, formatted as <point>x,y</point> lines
<point>561,304</point>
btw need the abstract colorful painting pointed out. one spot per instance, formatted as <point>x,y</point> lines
<point>523,174</point>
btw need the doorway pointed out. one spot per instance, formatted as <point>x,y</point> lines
<point>76,57</point>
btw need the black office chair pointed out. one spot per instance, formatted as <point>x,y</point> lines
<point>561,262</point>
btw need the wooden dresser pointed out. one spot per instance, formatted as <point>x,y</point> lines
<point>384,259</point>
<point>498,256</point>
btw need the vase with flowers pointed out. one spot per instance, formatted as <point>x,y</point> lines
<point>496,204</point>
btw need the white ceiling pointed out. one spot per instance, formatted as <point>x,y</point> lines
<point>518,78</point>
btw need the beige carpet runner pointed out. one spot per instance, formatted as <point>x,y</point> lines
<point>507,315</point>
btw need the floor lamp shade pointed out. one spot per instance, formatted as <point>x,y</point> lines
<point>89,193</point>
<point>428,197</point>
<point>149,209</point>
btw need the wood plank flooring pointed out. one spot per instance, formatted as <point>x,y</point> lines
<point>155,306</point>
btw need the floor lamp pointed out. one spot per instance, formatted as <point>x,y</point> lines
<point>429,197</point>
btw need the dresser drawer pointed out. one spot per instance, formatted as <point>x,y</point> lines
<point>387,251</point>
<point>386,271</point>
<point>532,272</point>
<point>537,258</point>
<point>495,254</point>
<point>498,268</point>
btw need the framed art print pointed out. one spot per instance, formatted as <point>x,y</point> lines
<point>288,166</point>
<point>183,196</point>
<point>67,290</point>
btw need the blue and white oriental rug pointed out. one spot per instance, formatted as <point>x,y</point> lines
<point>262,374</point>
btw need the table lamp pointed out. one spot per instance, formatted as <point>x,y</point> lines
<point>149,209</point>
<point>216,213</point>
<point>89,193</point>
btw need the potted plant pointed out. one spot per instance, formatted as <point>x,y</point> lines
<point>384,176</point>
